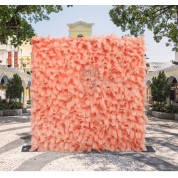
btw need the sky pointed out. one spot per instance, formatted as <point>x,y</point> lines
<point>99,15</point>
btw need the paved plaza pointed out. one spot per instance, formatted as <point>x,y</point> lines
<point>162,136</point>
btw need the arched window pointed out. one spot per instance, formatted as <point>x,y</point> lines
<point>2,81</point>
<point>80,35</point>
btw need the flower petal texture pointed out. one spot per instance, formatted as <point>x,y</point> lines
<point>88,93</point>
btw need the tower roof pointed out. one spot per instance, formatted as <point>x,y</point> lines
<point>80,22</point>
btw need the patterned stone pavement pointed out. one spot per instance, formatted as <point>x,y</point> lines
<point>162,135</point>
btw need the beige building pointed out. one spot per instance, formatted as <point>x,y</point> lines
<point>18,58</point>
<point>15,60</point>
<point>172,73</point>
<point>9,55</point>
<point>6,73</point>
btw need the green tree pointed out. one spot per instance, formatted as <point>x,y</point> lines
<point>14,87</point>
<point>15,21</point>
<point>162,20</point>
<point>160,87</point>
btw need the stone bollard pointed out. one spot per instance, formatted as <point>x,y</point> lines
<point>1,113</point>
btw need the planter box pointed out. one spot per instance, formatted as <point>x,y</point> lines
<point>1,113</point>
<point>176,116</point>
<point>24,110</point>
<point>155,114</point>
<point>13,112</point>
<point>163,115</point>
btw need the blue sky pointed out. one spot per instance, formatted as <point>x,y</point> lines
<point>99,15</point>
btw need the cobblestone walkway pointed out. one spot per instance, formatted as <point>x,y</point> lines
<point>162,135</point>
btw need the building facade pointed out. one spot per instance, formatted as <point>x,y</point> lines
<point>155,66</point>
<point>15,61</point>
<point>9,55</point>
<point>7,73</point>
<point>18,58</point>
<point>171,73</point>
<point>80,29</point>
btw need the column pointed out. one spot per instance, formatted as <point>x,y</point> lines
<point>24,98</point>
<point>168,101</point>
<point>29,92</point>
<point>147,95</point>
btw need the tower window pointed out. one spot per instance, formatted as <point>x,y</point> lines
<point>80,35</point>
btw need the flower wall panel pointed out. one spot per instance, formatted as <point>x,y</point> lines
<point>88,93</point>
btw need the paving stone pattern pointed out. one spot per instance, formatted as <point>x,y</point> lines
<point>162,135</point>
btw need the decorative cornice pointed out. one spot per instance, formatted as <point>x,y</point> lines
<point>80,22</point>
<point>80,30</point>
<point>172,68</point>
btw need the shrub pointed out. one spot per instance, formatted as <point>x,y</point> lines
<point>10,105</point>
<point>159,107</point>
<point>14,87</point>
<point>1,106</point>
<point>165,108</point>
<point>171,109</point>
<point>15,105</point>
<point>160,87</point>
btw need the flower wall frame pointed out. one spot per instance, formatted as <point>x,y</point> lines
<point>88,93</point>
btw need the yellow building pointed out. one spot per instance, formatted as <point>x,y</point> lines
<point>25,57</point>
<point>80,29</point>
<point>25,62</point>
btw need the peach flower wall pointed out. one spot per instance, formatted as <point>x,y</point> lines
<point>88,93</point>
